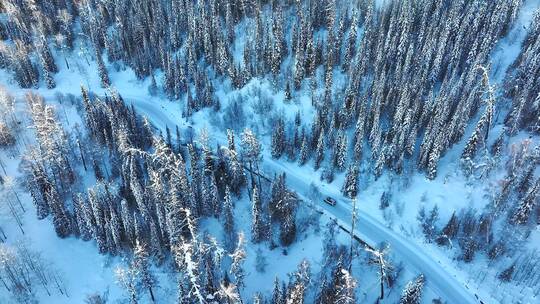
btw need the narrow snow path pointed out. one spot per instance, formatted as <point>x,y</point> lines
<point>508,48</point>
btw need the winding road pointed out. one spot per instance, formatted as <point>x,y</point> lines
<point>368,228</point>
<point>374,233</point>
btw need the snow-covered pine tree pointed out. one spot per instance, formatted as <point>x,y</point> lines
<point>498,146</point>
<point>198,182</point>
<point>506,275</point>
<point>6,135</point>
<point>481,131</point>
<point>49,80</point>
<point>235,172</point>
<point>302,277</point>
<point>432,163</point>
<point>278,138</point>
<point>350,46</point>
<point>103,74</point>
<point>25,72</point>
<point>339,156</point>
<point>115,230</point>
<point>45,56</point>
<point>288,228</point>
<point>319,152</point>
<point>346,288</point>
<point>251,152</point>
<point>277,296</point>
<point>230,140</point>
<point>428,222</point>
<point>296,294</point>
<point>288,94</point>
<point>176,214</point>
<point>350,185</point>
<point>137,188</point>
<point>303,151</point>
<point>141,267</point>
<point>127,278</point>
<point>311,61</point>
<point>524,180</point>
<point>258,225</point>
<point>127,222</point>
<point>412,294</point>
<point>298,69</point>
<point>238,258</point>
<point>80,217</point>
<point>522,88</point>
<point>358,137</point>
<point>61,218</point>
<point>449,231</point>
<point>523,211</point>
<point>228,218</point>
<point>213,203</point>
<point>157,245</point>
<point>38,185</point>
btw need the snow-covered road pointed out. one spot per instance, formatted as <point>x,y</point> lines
<point>374,233</point>
<point>368,228</point>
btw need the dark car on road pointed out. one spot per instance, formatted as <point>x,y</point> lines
<point>330,201</point>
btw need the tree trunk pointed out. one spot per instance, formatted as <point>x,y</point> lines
<point>251,174</point>
<point>382,282</point>
<point>4,237</point>
<point>259,176</point>
<point>82,155</point>
<point>151,294</point>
